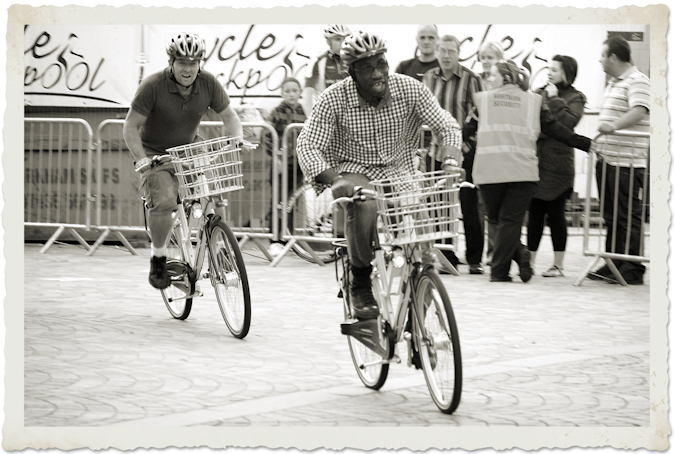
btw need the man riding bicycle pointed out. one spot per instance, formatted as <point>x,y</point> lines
<point>166,112</point>
<point>363,128</point>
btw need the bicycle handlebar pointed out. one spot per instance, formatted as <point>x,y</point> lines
<point>156,160</point>
<point>360,193</point>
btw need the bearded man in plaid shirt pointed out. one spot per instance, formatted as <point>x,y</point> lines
<point>366,127</point>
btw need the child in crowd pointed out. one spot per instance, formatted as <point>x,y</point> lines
<point>289,111</point>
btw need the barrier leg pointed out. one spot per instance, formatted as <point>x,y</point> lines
<point>51,239</point>
<point>80,240</point>
<point>244,240</point>
<point>586,271</point>
<point>615,271</point>
<point>444,263</point>
<point>279,257</point>
<point>262,247</point>
<point>311,252</point>
<point>99,241</point>
<point>125,242</point>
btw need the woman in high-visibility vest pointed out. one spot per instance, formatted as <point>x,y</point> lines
<point>506,166</point>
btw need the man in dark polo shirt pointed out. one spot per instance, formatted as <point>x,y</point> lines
<point>427,36</point>
<point>166,112</point>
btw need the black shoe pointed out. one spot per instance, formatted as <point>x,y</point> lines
<point>602,274</point>
<point>159,277</point>
<point>500,278</point>
<point>632,277</point>
<point>476,269</point>
<point>525,267</point>
<point>363,302</point>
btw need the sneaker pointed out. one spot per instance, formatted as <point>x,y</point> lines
<point>476,269</point>
<point>553,271</point>
<point>275,249</point>
<point>525,267</point>
<point>159,277</point>
<point>364,305</point>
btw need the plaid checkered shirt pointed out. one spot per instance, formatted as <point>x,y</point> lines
<point>348,135</point>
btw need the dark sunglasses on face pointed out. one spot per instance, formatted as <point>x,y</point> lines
<point>382,67</point>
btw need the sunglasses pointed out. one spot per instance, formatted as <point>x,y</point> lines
<point>382,67</point>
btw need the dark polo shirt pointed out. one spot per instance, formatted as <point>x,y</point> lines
<point>171,119</point>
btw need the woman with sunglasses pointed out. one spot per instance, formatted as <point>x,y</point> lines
<point>511,119</point>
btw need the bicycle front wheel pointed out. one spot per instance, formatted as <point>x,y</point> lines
<point>437,339</point>
<point>311,215</point>
<point>176,295</point>
<point>229,279</point>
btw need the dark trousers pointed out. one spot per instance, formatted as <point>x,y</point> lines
<point>473,218</point>
<point>556,220</point>
<point>359,225</point>
<point>624,218</point>
<point>507,203</point>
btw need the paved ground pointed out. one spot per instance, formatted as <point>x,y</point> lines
<point>102,350</point>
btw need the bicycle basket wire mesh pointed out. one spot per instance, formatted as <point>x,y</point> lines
<point>417,208</point>
<point>208,168</point>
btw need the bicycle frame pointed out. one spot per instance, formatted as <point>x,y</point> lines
<point>384,277</point>
<point>196,255</point>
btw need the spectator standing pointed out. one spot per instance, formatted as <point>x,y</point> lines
<point>427,37</point>
<point>454,87</point>
<point>506,167</point>
<point>289,111</point>
<point>490,52</point>
<point>556,163</point>
<point>328,68</point>
<point>626,106</point>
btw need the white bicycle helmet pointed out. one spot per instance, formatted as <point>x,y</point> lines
<point>336,30</point>
<point>360,45</point>
<point>186,45</point>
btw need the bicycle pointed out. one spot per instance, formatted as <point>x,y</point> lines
<point>411,213</point>
<point>206,170</point>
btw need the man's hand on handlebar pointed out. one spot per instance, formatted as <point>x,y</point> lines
<point>341,187</point>
<point>247,146</point>
<point>145,164</point>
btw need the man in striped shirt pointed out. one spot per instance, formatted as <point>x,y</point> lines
<point>454,85</point>
<point>363,128</point>
<point>626,106</point>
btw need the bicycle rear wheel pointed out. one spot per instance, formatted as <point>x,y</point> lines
<point>311,215</point>
<point>182,282</point>
<point>229,278</point>
<point>437,340</point>
<point>373,376</point>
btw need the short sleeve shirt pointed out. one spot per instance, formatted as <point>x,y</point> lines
<point>630,89</point>
<point>171,119</point>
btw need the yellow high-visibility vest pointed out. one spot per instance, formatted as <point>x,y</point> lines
<point>508,127</point>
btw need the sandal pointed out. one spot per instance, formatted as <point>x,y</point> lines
<point>553,271</point>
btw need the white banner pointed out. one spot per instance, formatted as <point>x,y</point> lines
<point>101,66</point>
<point>80,65</point>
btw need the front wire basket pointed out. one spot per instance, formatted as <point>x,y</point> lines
<point>417,208</point>
<point>208,168</point>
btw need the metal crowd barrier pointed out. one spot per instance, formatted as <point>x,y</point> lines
<point>291,184</point>
<point>634,217</point>
<point>58,157</point>
<point>53,166</point>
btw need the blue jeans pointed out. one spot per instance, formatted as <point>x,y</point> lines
<point>159,185</point>
<point>507,203</point>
